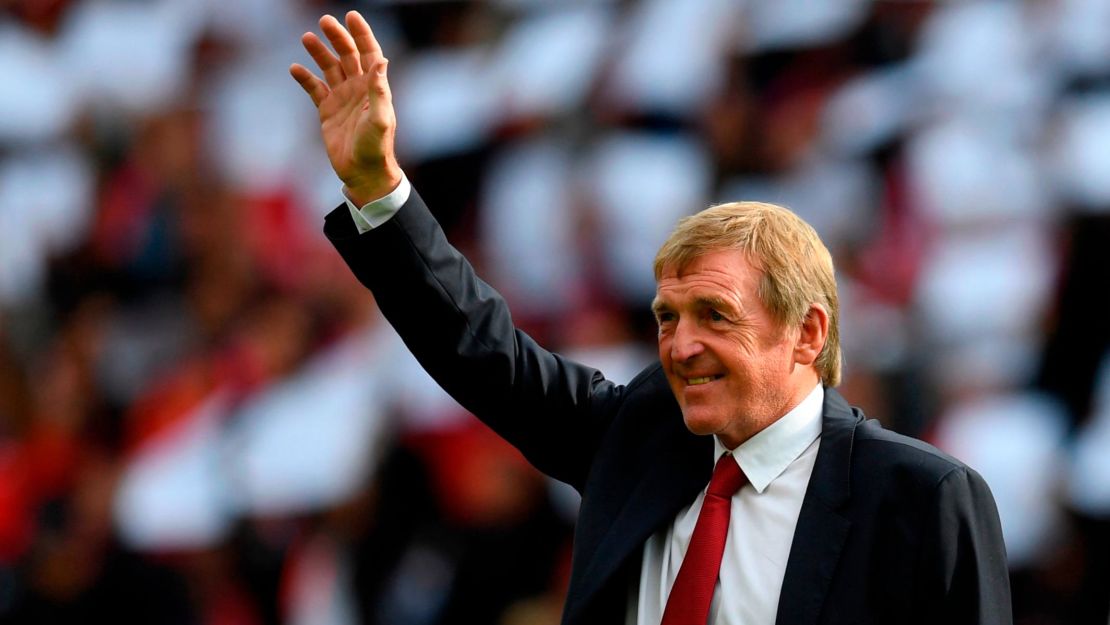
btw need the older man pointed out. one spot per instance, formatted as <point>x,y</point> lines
<point>729,483</point>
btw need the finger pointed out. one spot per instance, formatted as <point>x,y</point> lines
<point>380,82</point>
<point>370,52</point>
<point>333,72</point>
<point>343,43</point>
<point>313,86</point>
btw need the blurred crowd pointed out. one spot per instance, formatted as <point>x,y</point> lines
<point>204,421</point>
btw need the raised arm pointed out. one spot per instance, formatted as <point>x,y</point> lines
<point>459,328</point>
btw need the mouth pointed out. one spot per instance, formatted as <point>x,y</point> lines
<point>698,381</point>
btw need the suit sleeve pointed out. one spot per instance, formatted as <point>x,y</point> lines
<point>964,559</point>
<point>461,331</point>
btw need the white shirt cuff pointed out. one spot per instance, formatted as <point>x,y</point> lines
<point>376,213</point>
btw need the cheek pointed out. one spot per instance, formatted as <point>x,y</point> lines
<point>755,361</point>
<point>739,354</point>
<point>776,364</point>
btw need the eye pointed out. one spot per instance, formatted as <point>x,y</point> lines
<point>664,317</point>
<point>716,316</point>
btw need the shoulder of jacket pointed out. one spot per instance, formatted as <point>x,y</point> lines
<point>650,378</point>
<point>887,450</point>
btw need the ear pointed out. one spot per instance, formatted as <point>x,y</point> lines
<point>814,330</point>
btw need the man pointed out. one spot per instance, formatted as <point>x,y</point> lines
<point>729,483</point>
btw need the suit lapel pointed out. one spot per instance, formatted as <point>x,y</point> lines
<point>682,468</point>
<point>821,531</point>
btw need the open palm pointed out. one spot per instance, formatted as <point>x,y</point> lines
<point>355,106</point>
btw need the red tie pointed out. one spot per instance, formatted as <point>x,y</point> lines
<point>688,603</point>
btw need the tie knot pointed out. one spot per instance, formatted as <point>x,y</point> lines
<point>727,477</point>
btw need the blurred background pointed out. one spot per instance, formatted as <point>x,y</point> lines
<point>203,419</point>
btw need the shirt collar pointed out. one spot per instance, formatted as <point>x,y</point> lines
<point>766,455</point>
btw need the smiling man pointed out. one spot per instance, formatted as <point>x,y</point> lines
<point>745,303</point>
<point>728,483</point>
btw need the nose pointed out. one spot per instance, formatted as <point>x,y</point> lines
<point>686,343</point>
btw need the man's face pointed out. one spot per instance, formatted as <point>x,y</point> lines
<point>729,364</point>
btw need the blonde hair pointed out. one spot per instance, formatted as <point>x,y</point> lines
<point>797,267</point>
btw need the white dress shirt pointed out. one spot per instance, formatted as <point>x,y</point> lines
<point>777,461</point>
<point>373,214</point>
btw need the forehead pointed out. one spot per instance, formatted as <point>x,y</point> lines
<point>724,270</point>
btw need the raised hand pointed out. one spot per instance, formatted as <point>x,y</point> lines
<point>355,106</point>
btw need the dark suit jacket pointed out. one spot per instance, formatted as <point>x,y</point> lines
<point>891,530</point>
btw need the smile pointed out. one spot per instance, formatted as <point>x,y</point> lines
<point>703,380</point>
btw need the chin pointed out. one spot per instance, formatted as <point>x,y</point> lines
<point>701,423</point>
